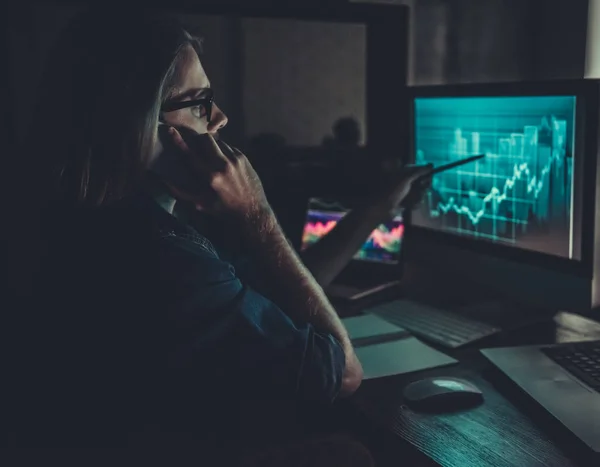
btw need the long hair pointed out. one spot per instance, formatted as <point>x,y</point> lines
<point>95,121</point>
<point>99,102</point>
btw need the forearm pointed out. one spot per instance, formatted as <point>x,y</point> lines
<point>291,285</point>
<point>332,253</point>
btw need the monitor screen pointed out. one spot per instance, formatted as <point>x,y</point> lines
<point>521,193</point>
<point>383,245</point>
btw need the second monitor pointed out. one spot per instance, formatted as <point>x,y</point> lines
<point>383,245</point>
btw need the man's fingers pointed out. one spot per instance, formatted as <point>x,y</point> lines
<point>192,158</point>
<point>179,141</point>
<point>214,146</point>
<point>233,149</point>
<point>227,150</point>
<point>424,169</point>
<point>237,152</point>
<point>421,173</point>
<point>203,150</point>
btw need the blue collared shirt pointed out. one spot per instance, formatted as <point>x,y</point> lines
<point>142,319</point>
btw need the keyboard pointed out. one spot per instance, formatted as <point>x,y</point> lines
<point>438,326</point>
<point>582,360</point>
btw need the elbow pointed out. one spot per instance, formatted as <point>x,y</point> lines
<point>352,379</point>
<point>350,385</point>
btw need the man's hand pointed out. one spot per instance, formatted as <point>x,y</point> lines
<point>404,187</point>
<point>232,187</point>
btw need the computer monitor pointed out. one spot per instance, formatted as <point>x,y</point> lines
<point>521,219</point>
<point>383,245</point>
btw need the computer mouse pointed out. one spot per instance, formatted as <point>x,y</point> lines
<point>442,394</point>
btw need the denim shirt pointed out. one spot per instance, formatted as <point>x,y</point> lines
<point>153,319</point>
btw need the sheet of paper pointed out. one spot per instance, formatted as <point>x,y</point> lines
<point>363,326</point>
<point>404,355</point>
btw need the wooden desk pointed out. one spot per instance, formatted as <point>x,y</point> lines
<point>508,429</point>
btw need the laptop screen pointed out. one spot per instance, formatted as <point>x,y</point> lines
<point>382,246</point>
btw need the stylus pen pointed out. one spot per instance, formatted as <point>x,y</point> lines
<point>451,165</point>
<point>460,162</point>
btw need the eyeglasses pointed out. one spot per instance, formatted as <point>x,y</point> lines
<point>206,102</point>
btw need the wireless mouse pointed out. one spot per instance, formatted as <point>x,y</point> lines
<point>442,394</point>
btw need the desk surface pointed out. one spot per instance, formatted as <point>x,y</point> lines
<point>508,429</point>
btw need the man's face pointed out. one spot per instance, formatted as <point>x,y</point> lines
<point>193,84</point>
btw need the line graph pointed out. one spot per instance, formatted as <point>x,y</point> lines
<point>522,190</point>
<point>534,186</point>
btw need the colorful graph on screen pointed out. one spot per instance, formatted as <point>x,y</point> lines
<point>521,192</point>
<point>383,244</point>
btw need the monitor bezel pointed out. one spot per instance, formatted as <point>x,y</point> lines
<point>587,94</point>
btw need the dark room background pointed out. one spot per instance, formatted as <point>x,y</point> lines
<point>450,41</point>
<point>262,85</point>
<point>462,41</point>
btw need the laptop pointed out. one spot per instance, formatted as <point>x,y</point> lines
<point>375,267</point>
<point>563,378</point>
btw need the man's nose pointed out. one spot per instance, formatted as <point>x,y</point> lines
<point>218,120</point>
